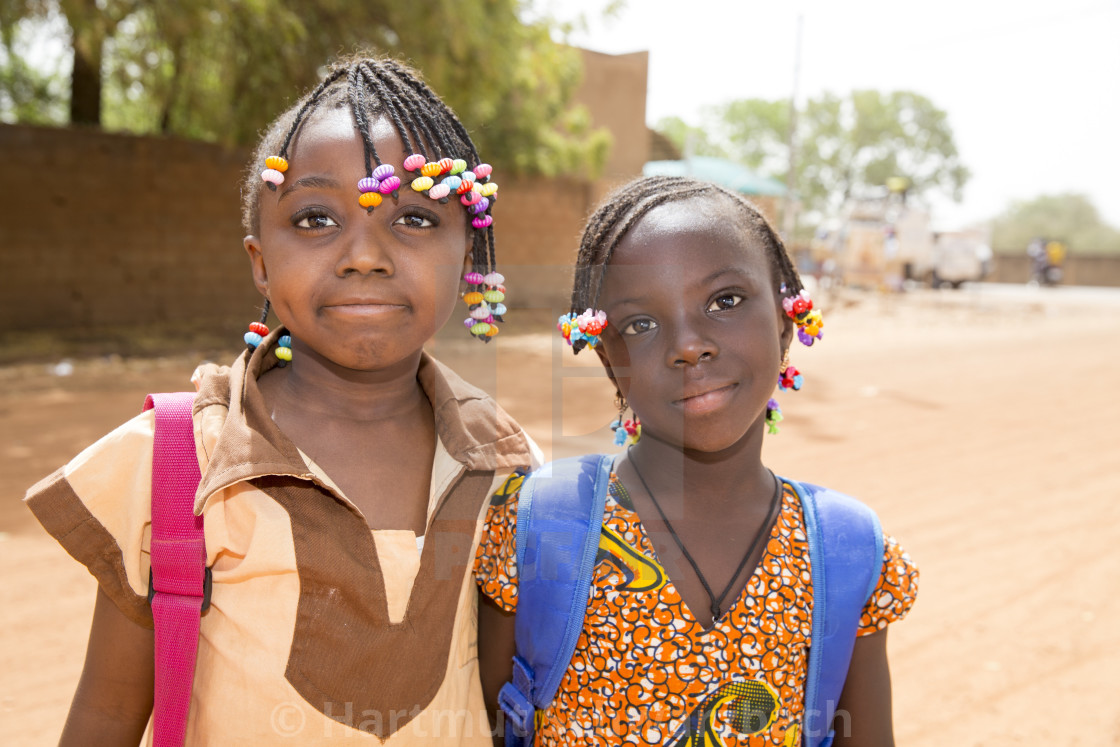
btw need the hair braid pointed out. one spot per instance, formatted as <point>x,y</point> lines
<point>621,210</point>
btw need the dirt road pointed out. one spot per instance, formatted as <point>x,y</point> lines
<point>982,426</point>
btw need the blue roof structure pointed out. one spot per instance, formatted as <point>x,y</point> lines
<point>727,174</point>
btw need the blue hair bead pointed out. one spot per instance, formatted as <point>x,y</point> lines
<point>252,339</point>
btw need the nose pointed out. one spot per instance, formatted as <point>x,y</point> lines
<point>689,347</point>
<point>365,254</point>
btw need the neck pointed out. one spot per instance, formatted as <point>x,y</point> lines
<point>316,386</point>
<point>692,480</point>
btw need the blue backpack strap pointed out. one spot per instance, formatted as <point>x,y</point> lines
<point>846,556</point>
<point>559,520</point>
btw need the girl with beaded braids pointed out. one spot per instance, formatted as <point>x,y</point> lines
<point>344,471</point>
<point>700,615</point>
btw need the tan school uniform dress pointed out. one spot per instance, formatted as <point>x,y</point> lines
<point>319,629</point>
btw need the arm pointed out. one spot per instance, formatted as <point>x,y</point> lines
<point>114,697</point>
<point>863,718</point>
<point>496,648</point>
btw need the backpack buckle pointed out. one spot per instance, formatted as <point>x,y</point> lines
<point>207,584</point>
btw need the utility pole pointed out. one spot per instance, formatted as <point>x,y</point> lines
<point>789,217</point>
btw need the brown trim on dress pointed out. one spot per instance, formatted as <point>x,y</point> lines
<point>347,660</point>
<point>61,512</point>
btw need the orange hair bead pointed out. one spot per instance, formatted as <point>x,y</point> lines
<point>369,199</point>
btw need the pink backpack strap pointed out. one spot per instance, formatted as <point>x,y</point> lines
<point>179,585</point>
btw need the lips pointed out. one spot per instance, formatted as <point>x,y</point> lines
<point>364,306</point>
<point>706,399</point>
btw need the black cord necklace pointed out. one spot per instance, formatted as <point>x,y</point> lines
<point>717,602</point>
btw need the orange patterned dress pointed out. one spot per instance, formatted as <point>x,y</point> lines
<point>646,672</point>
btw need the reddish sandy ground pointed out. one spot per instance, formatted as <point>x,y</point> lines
<point>982,426</point>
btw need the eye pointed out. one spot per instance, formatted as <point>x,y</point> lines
<point>724,302</point>
<point>638,326</point>
<point>312,219</point>
<point>415,220</point>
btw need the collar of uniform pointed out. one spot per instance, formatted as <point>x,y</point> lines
<point>239,440</point>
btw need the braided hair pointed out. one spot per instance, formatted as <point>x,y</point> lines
<point>371,88</point>
<point>621,210</point>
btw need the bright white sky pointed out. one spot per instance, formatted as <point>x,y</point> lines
<point>1031,88</point>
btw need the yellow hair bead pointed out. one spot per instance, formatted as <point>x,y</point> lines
<point>481,328</point>
<point>488,189</point>
<point>276,162</point>
<point>422,183</point>
<point>431,169</point>
<point>369,199</point>
<point>284,354</point>
<point>472,298</point>
<point>494,296</point>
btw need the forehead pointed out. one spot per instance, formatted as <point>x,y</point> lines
<point>700,233</point>
<point>331,134</point>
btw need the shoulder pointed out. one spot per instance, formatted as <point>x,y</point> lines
<point>473,427</point>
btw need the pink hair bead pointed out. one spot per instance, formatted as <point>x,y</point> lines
<point>413,162</point>
<point>368,184</point>
<point>474,278</point>
<point>480,312</point>
<point>272,176</point>
<point>470,198</point>
<point>439,191</point>
<point>383,171</point>
<point>494,278</point>
<point>390,184</point>
<point>482,221</point>
<point>480,206</point>
<point>483,170</point>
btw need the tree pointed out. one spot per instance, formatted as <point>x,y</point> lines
<point>689,139</point>
<point>1069,217</point>
<point>221,69</point>
<point>846,146</point>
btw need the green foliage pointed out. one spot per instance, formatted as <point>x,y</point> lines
<point>220,70</point>
<point>1069,217</point>
<point>28,93</point>
<point>689,139</point>
<point>845,146</point>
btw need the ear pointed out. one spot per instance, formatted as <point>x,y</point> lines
<point>785,325</point>
<point>252,245</point>
<point>606,361</point>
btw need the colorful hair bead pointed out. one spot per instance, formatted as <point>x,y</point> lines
<point>480,328</point>
<point>445,165</point>
<point>472,298</point>
<point>494,296</point>
<point>492,331</point>
<point>474,278</point>
<point>480,312</point>
<point>488,189</point>
<point>630,431</point>
<point>480,205</point>
<point>430,169</point>
<point>422,183</point>
<point>583,329</point>
<point>470,198</point>
<point>413,162</point>
<point>498,309</point>
<point>383,172</point>
<point>790,378</point>
<point>483,170</point>
<point>799,308</point>
<point>258,327</point>
<point>252,339</point>
<point>369,200</point>
<point>482,221</point>
<point>773,415</point>
<point>465,187</point>
<point>470,322</point>
<point>458,166</point>
<point>283,349</point>
<point>277,163</point>
<point>494,278</point>
<point>468,176</point>
<point>452,182</point>
<point>272,178</point>
<point>389,184</point>
<point>368,184</point>
<point>439,192</point>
